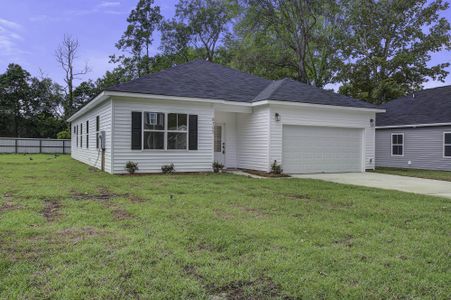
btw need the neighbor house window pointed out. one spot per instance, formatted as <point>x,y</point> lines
<point>397,144</point>
<point>97,131</point>
<point>447,144</point>
<point>177,131</point>
<point>87,134</point>
<point>154,132</point>
<point>76,135</point>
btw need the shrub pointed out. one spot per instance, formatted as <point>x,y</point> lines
<point>168,169</point>
<point>217,166</point>
<point>131,167</point>
<point>63,135</point>
<point>276,168</point>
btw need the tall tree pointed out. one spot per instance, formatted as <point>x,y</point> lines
<point>29,106</point>
<point>67,55</point>
<point>390,46</point>
<point>45,117</point>
<point>138,38</point>
<point>299,38</point>
<point>14,99</point>
<point>199,24</point>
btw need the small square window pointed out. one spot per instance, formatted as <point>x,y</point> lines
<point>178,122</point>
<point>448,138</point>
<point>448,151</point>
<point>154,121</point>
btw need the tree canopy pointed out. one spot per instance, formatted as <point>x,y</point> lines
<point>374,50</point>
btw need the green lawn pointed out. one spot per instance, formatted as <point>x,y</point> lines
<point>430,174</point>
<point>68,231</point>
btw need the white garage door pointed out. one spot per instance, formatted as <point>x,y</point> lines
<point>309,149</point>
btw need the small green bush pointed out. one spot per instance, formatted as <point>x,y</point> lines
<point>168,169</point>
<point>217,166</point>
<point>63,135</point>
<point>131,167</point>
<point>276,168</point>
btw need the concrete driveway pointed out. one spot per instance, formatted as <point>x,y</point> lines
<point>389,182</point>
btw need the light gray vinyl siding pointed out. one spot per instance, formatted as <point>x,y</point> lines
<point>423,148</point>
<point>150,161</point>
<point>253,139</point>
<point>91,155</point>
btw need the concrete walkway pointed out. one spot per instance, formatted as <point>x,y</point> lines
<point>389,182</point>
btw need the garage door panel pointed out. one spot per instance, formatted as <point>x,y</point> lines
<point>309,149</point>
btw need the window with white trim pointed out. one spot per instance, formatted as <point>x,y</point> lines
<point>177,133</point>
<point>153,133</point>
<point>97,131</point>
<point>397,144</point>
<point>447,144</point>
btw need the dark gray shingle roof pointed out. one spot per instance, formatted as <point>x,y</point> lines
<point>426,107</point>
<point>202,79</point>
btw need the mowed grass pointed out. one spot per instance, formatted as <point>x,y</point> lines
<point>68,231</point>
<point>429,174</point>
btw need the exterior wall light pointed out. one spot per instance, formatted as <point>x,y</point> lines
<point>277,117</point>
<point>372,122</point>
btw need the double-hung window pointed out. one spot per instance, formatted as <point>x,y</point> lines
<point>87,134</point>
<point>97,131</point>
<point>154,125</point>
<point>397,144</point>
<point>447,144</point>
<point>164,131</point>
<point>177,131</point>
<point>81,135</point>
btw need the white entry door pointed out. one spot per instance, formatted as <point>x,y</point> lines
<point>219,144</point>
<point>310,149</point>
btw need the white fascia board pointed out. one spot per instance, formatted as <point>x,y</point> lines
<point>303,104</point>
<point>413,125</point>
<point>106,94</point>
<point>176,98</point>
<point>97,100</point>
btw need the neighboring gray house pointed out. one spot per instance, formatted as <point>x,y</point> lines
<point>200,112</point>
<point>415,132</point>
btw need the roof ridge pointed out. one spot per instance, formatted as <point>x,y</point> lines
<point>266,93</point>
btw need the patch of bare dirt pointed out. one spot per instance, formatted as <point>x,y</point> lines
<point>8,205</point>
<point>299,197</point>
<point>257,213</point>
<point>221,214</point>
<point>76,235</point>
<point>346,241</point>
<point>121,214</point>
<point>261,288</point>
<point>51,210</point>
<point>191,271</point>
<point>102,194</point>
<point>135,199</point>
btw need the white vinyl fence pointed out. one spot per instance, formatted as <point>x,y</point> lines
<point>27,145</point>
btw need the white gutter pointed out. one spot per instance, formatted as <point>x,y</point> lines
<point>303,104</point>
<point>106,94</point>
<point>413,125</point>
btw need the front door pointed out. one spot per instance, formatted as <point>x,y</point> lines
<point>219,143</point>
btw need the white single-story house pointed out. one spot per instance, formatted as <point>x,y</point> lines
<point>415,132</point>
<point>200,112</point>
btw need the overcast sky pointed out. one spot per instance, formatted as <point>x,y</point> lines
<point>30,31</point>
